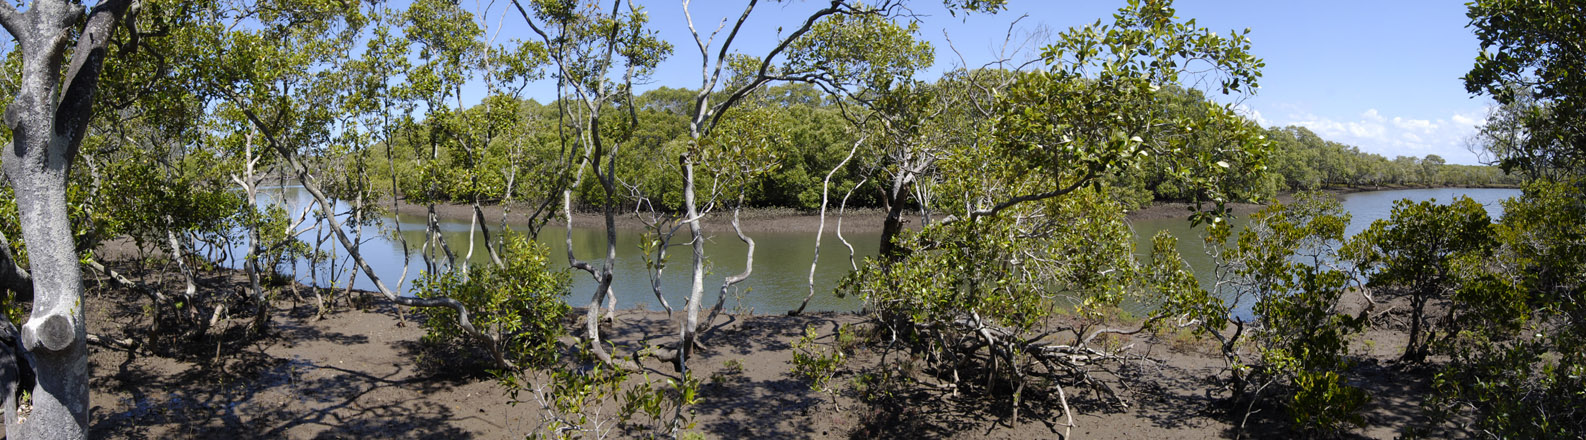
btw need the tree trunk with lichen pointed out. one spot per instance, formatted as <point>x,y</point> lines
<point>48,119</point>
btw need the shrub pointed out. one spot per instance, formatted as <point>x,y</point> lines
<point>1414,253</point>
<point>1517,358</point>
<point>1282,264</point>
<point>1015,302</point>
<point>519,304</point>
<point>817,365</point>
<point>577,395</point>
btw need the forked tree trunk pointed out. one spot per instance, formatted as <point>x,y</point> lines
<point>893,224</point>
<point>48,119</point>
<point>1415,348</point>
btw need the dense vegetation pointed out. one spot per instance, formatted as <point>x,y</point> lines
<point>813,139</point>
<point>171,119</point>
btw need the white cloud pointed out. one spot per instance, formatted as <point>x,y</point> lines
<point>1421,125</point>
<point>1367,130</point>
<point>1253,115</point>
<point>1392,136</point>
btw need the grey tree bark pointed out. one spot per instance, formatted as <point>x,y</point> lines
<point>706,114</point>
<point>48,118</point>
<point>587,91</point>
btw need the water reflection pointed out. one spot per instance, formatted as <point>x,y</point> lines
<point>779,281</point>
<point>1363,207</point>
<point>782,259</point>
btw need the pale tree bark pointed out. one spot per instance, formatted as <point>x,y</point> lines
<point>656,221</point>
<point>311,185</point>
<point>748,265</point>
<point>825,192</point>
<point>48,118</point>
<point>250,186</point>
<point>706,115</point>
<point>589,91</point>
<point>853,263</point>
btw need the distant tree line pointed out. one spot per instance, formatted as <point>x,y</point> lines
<point>816,130</point>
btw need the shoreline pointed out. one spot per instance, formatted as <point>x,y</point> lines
<point>752,220</point>
<point>365,372</point>
<point>787,220</point>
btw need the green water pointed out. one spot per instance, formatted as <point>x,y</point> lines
<point>1364,208</point>
<point>782,259</point>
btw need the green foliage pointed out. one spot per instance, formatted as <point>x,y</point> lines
<point>974,296</point>
<point>277,240</point>
<point>816,364</point>
<point>1531,62</point>
<point>11,309</point>
<point>520,304</point>
<point>571,400</point>
<point>1516,364</point>
<point>1082,118</point>
<point>1041,249</point>
<point>1305,342</point>
<point>924,118</point>
<point>1415,254</point>
<point>144,199</point>
<point>1322,402</point>
<point>646,405</point>
<point>576,401</point>
<point>866,49</point>
<point>1302,161</point>
<point>1282,265</point>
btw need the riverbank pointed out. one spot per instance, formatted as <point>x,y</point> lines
<point>754,220</point>
<point>366,374</point>
<point>759,220</point>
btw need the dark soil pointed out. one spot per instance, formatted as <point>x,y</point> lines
<point>365,374</point>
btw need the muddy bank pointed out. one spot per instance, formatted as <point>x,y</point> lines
<point>752,220</point>
<point>789,220</point>
<point>363,373</point>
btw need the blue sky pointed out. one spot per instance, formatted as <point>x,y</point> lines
<point>1381,75</point>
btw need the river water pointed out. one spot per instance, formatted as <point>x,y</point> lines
<point>782,259</point>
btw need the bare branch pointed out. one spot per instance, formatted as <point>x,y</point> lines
<point>852,263</point>
<point>825,191</point>
<point>748,264</point>
<point>1031,197</point>
<point>708,80</point>
<point>312,187</point>
<point>762,76</point>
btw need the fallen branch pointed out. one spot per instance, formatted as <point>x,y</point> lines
<point>123,344</point>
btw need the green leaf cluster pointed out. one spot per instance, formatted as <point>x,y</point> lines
<point>1515,350</point>
<point>520,303</point>
<point>1285,266</point>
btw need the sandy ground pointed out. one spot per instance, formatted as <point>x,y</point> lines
<point>364,374</point>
